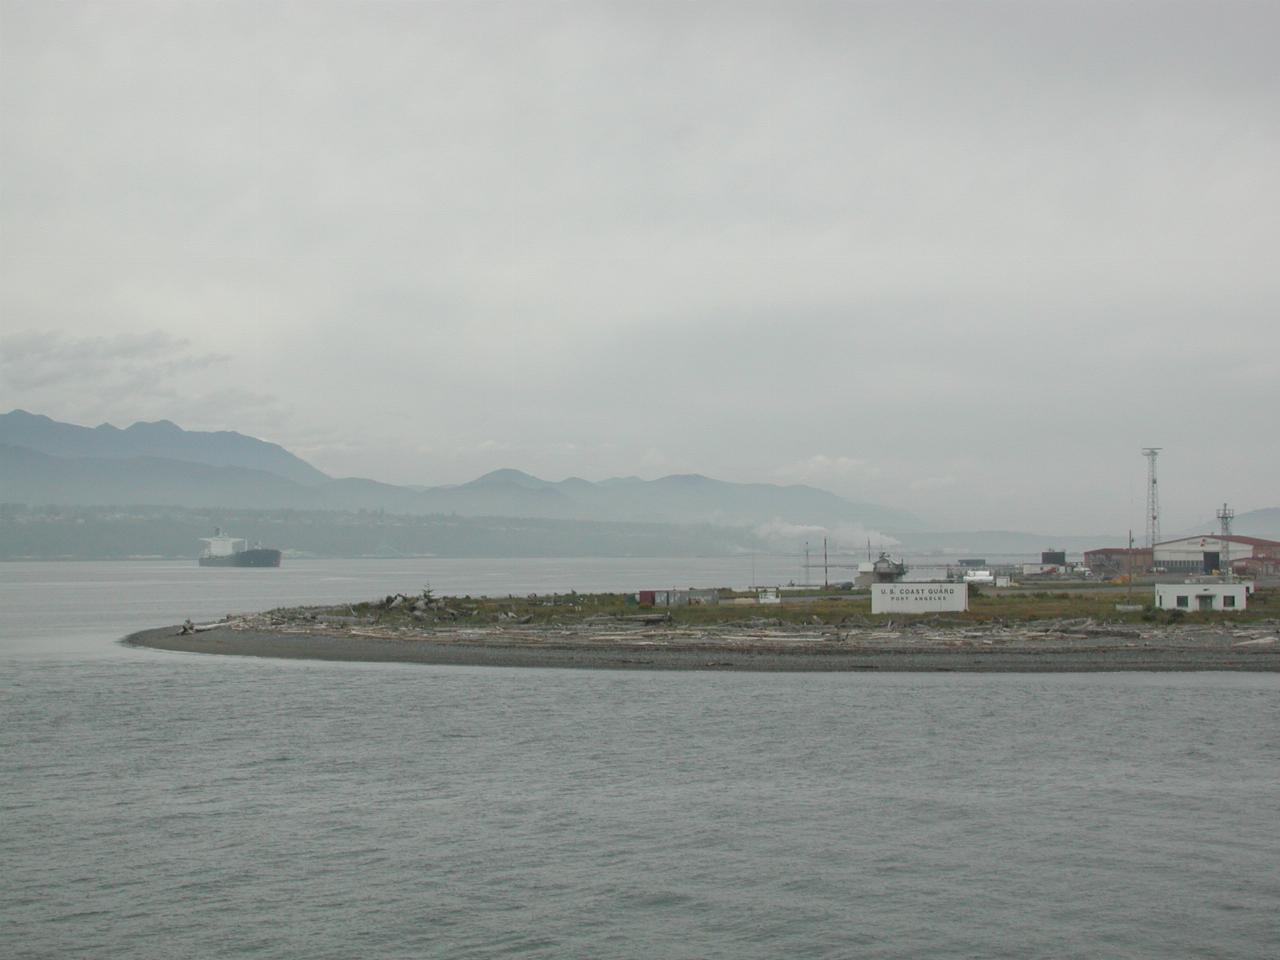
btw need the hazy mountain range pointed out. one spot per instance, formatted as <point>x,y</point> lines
<point>45,461</point>
<point>163,440</point>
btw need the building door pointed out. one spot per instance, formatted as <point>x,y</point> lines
<point>1212,561</point>
<point>1206,601</point>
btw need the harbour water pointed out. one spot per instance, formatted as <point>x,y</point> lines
<point>158,805</point>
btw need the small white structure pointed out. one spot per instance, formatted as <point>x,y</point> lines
<point>1192,596</point>
<point>1043,569</point>
<point>980,576</point>
<point>933,596</point>
<point>221,546</point>
<point>768,595</point>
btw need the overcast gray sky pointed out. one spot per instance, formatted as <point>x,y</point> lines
<point>964,259</point>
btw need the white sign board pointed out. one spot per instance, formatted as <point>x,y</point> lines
<point>921,597</point>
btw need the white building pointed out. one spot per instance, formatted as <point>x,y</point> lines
<point>1209,553</point>
<point>1202,596</point>
<point>1043,569</point>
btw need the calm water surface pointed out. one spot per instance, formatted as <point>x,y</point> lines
<point>160,805</point>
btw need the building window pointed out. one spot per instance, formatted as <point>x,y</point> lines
<point>1228,601</point>
<point>1184,601</point>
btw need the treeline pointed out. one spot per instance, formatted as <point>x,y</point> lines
<point>112,533</point>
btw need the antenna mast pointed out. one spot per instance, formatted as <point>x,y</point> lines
<point>1153,496</point>
<point>1225,516</point>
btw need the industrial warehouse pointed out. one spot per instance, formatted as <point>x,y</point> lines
<point>1216,572</point>
<point>1206,555</point>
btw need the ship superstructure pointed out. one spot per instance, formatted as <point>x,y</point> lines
<point>224,551</point>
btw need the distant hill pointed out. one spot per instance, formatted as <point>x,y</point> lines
<point>162,439</point>
<point>28,476</point>
<point>680,498</point>
<point>1264,523</point>
<point>31,477</point>
<point>984,543</point>
<point>43,461</point>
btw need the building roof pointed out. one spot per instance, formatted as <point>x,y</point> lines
<point>1233,538</point>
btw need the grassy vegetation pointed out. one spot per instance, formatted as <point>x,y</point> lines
<point>428,610</point>
<point>1263,605</point>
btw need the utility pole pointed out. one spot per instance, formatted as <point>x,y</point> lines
<point>1129,598</point>
<point>826,579</point>
<point>1153,499</point>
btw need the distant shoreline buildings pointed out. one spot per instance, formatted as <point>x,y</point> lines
<point>1196,555</point>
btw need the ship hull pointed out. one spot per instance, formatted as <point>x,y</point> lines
<point>245,558</point>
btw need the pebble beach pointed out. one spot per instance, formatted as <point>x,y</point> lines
<point>759,645</point>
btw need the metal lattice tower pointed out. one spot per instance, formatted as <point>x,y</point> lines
<point>1153,496</point>
<point>1225,516</point>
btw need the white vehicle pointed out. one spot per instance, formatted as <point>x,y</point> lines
<point>979,576</point>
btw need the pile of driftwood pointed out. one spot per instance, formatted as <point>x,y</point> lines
<point>428,606</point>
<point>188,627</point>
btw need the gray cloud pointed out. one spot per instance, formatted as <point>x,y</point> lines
<point>123,377</point>
<point>33,361</point>
<point>1001,244</point>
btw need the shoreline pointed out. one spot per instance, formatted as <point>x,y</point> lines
<point>1088,649</point>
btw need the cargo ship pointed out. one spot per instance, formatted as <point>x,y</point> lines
<point>220,551</point>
